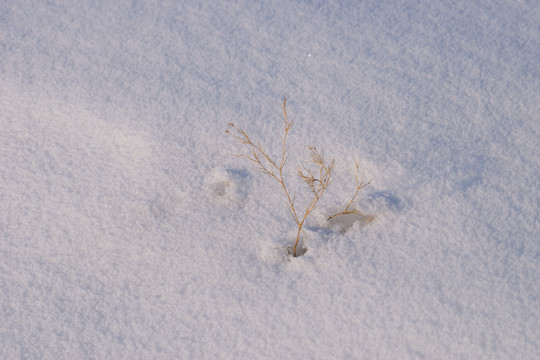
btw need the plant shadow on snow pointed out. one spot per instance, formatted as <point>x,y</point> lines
<point>383,201</point>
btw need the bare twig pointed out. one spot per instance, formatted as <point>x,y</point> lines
<point>317,176</point>
<point>265,163</point>
<point>317,183</point>
<point>359,186</point>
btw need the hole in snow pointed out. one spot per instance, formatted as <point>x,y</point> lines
<point>221,188</point>
<point>301,249</point>
<point>227,187</point>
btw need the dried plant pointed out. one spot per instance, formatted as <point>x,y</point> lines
<point>318,178</point>
<point>318,183</point>
<point>359,186</point>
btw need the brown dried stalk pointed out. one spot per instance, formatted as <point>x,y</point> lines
<point>318,185</point>
<point>359,186</point>
<point>318,182</point>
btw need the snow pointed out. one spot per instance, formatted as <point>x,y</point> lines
<point>127,229</point>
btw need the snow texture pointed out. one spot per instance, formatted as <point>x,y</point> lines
<point>128,231</point>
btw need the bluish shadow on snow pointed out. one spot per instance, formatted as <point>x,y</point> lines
<point>240,173</point>
<point>383,201</point>
<point>471,171</point>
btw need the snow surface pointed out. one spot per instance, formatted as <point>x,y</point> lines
<point>127,231</point>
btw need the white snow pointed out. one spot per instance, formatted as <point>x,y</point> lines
<point>128,231</point>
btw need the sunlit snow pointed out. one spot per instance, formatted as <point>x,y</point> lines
<point>129,230</point>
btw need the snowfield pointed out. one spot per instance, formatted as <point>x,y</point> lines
<point>129,231</point>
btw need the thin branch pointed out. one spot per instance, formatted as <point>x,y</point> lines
<point>264,161</point>
<point>359,186</point>
<point>318,176</point>
<point>317,185</point>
